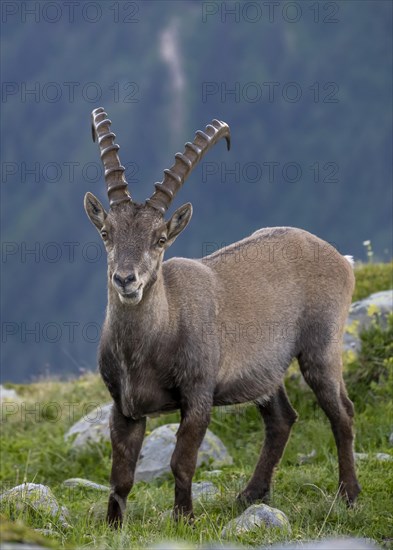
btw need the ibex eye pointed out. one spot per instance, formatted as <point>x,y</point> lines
<point>104,234</point>
<point>162,241</point>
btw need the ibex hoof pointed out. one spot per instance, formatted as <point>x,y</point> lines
<point>114,516</point>
<point>114,522</point>
<point>349,492</point>
<point>248,497</point>
<point>182,515</point>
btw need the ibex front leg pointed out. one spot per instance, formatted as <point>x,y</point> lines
<point>192,430</point>
<point>127,437</point>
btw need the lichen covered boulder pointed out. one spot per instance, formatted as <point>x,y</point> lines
<point>256,516</point>
<point>85,484</point>
<point>204,490</point>
<point>36,497</point>
<point>363,313</point>
<point>91,428</point>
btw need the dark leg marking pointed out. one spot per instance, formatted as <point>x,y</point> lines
<point>278,416</point>
<point>127,437</point>
<point>192,430</point>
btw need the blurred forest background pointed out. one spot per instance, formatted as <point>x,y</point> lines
<point>306,88</point>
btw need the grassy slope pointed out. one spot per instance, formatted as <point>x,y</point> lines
<point>33,450</point>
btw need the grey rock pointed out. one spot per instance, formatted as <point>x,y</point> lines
<point>327,544</point>
<point>306,458</point>
<point>344,543</point>
<point>91,428</point>
<point>363,313</point>
<point>38,496</point>
<point>360,456</point>
<point>85,484</point>
<point>382,457</point>
<point>157,449</point>
<point>213,474</point>
<point>204,490</point>
<point>8,394</point>
<point>21,546</point>
<point>254,517</point>
<point>225,546</point>
<point>180,545</point>
<point>173,545</point>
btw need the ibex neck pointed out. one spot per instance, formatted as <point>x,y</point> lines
<point>151,314</point>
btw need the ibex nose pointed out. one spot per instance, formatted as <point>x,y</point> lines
<point>124,281</point>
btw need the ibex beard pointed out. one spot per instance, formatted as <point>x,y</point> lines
<point>162,346</point>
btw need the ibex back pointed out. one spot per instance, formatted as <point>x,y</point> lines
<point>190,334</point>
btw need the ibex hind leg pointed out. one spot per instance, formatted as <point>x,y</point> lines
<point>323,373</point>
<point>278,416</point>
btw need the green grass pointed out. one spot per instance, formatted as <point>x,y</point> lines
<point>372,278</point>
<point>33,450</point>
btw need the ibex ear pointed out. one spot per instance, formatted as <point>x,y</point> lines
<point>178,221</point>
<point>95,210</point>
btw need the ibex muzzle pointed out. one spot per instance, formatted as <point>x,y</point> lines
<point>191,334</point>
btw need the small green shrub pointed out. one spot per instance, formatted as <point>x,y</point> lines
<point>370,375</point>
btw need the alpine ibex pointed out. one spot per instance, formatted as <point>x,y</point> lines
<point>191,334</point>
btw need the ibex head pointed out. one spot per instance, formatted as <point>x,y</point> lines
<point>137,235</point>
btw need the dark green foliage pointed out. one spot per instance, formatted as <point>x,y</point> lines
<point>369,377</point>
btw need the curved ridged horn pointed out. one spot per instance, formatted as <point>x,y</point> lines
<point>185,162</point>
<point>114,172</point>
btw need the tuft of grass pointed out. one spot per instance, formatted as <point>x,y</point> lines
<point>19,532</point>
